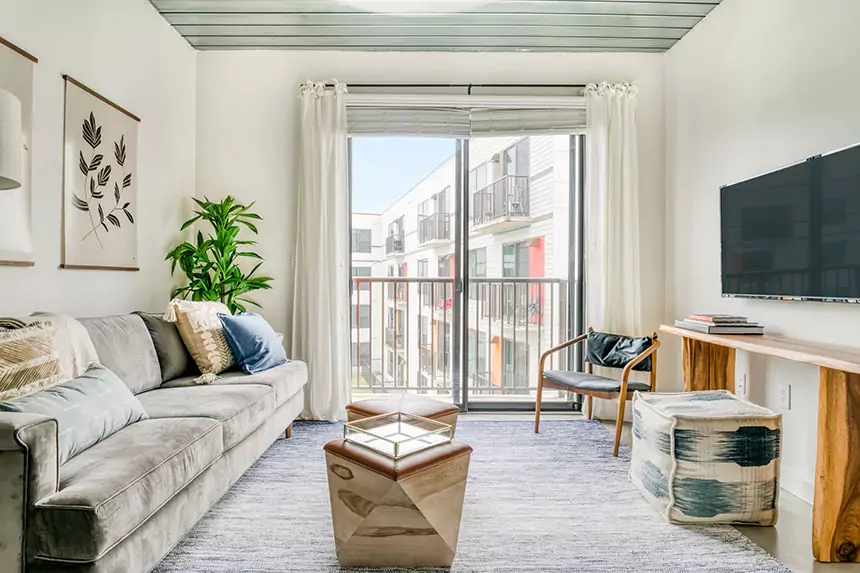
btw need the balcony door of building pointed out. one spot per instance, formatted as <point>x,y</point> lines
<point>405,197</point>
<point>462,272</point>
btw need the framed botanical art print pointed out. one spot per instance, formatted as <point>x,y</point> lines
<point>99,182</point>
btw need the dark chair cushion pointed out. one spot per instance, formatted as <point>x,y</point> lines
<point>593,382</point>
<point>613,351</point>
<point>173,357</point>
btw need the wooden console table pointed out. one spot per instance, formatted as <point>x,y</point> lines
<point>709,364</point>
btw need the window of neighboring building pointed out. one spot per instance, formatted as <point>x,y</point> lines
<point>362,272</point>
<point>515,367</point>
<point>361,239</point>
<point>516,159</point>
<point>478,177</point>
<point>446,266</point>
<point>422,267</point>
<point>365,351</point>
<point>515,259</point>
<point>477,269</point>
<point>363,316</point>
<point>396,227</point>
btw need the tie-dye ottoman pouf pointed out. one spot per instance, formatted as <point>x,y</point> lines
<point>706,457</point>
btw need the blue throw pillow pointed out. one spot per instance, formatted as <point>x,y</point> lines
<point>88,409</point>
<point>254,343</point>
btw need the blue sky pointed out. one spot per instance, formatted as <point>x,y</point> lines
<point>385,168</point>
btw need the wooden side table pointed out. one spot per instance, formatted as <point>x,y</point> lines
<point>402,512</point>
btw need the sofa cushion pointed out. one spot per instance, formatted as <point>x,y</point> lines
<point>241,409</point>
<point>29,361</point>
<point>88,409</point>
<point>203,334</point>
<point>173,357</point>
<point>255,344</point>
<point>285,380</point>
<point>125,347</point>
<point>109,490</point>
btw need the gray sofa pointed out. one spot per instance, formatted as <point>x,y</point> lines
<point>123,504</point>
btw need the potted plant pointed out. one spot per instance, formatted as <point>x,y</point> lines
<point>212,262</point>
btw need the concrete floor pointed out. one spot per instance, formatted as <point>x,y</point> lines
<point>790,541</point>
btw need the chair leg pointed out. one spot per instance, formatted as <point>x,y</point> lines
<point>590,407</point>
<point>622,402</point>
<point>537,404</point>
<point>288,433</point>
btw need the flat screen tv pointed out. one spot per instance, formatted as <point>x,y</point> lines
<point>794,233</point>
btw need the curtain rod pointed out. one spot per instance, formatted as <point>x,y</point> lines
<point>468,86</point>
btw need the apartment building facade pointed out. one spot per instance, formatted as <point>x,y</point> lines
<point>517,261</point>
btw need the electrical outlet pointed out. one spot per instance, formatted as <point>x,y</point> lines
<point>785,397</point>
<point>741,386</point>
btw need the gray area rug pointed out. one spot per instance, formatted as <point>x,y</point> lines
<point>556,501</point>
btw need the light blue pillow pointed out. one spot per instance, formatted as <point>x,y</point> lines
<point>87,409</point>
<point>255,344</point>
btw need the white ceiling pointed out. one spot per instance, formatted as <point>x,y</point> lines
<point>436,25</point>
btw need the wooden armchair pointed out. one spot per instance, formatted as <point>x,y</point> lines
<point>609,351</point>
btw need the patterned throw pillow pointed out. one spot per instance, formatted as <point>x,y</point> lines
<point>29,361</point>
<point>9,323</point>
<point>203,334</point>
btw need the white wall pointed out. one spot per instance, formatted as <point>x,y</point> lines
<point>247,131</point>
<point>755,86</point>
<point>127,52</point>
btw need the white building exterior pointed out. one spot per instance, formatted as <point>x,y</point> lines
<point>518,228</point>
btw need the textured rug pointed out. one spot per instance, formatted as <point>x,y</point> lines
<point>554,501</point>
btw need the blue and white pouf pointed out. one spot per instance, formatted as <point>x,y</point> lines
<point>706,457</point>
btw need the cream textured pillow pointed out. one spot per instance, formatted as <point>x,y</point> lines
<point>203,334</point>
<point>29,361</point>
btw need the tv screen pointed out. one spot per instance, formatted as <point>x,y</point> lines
<point>795,233</point>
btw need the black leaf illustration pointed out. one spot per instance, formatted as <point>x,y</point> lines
<point>119,151</point>
<point>126,205</point>
<point>101,214</point>
<point>113,220</point>
<point>116,191</point>
<point>104,175</point>
<point>105,226</point>
<point>79,203</point>
<point>97,160</point>
<point>127,214</point>
<point>82,163</point>
<point>92,134</point>
<point>98,194</point>
<point>127,181</point>
<point>92,186</point>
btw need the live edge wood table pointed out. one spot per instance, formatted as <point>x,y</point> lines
<point>709,364</point>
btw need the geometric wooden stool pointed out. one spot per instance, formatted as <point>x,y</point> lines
<point>404,512</point>
<point>408,403</point>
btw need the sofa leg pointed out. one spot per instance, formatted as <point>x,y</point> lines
<point>289,432</point>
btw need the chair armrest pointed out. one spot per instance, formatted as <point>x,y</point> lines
<point>561,346</point>
<point>29,472</point>
<point>639,358</point>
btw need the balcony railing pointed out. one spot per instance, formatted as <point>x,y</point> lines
<point>510,323</point>
<point>394,244</point>
<point>504,198</point>
<point>432,228</point>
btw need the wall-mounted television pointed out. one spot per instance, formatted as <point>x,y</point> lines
<point>794,233</point>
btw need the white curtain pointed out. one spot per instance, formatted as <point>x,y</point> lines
<point>321,330</point>
<point>612,254</point>
<point>612,267</point>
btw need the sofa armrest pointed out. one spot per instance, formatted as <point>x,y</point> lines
<point>29,472</point>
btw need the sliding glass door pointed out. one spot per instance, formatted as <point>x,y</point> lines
<point>462,266</point>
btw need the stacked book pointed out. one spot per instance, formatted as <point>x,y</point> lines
<point>720,324</point>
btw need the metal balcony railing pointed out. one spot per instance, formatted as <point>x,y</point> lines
<point>409,347</point>
<point>436,227</point>
<point>394,244</point>
<point>505,197</point>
